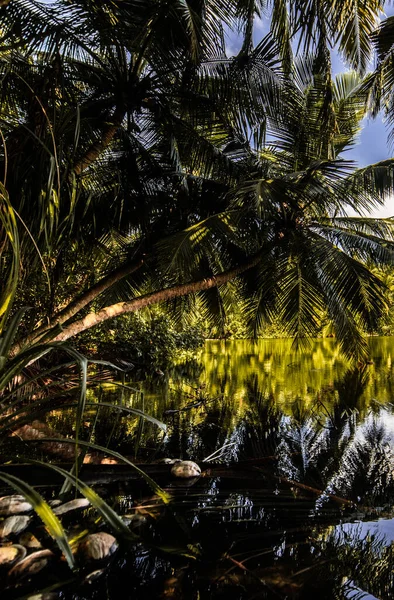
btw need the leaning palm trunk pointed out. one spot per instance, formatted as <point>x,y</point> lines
<point>75,306</point>
<point>121,308</point>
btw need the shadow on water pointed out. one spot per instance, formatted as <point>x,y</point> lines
<point>296,500</point>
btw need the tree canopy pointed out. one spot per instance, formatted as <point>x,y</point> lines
<point>143,164</point>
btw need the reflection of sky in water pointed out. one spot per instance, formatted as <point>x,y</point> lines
<point>355,593</point>
<point>381,528</point>
<point>387,419</point>
<point>384,418</point>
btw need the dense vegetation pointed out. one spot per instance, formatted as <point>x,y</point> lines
<point>141,164</point>
<point>155,189</point>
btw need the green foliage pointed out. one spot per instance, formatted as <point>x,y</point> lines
<point>29,391</point>
<point>149,339</point>
<point>386,323</point>
<point>9,256</point>
<point>139,156</point>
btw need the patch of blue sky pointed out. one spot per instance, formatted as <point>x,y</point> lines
<point>372,145</point>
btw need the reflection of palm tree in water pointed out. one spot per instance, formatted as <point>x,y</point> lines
<point>338,447</point>
<point>331,444</point>
<point>317,436</point>
<point>365,472</point>
<point>318,445</point>
<point>197,440</point>
<point>334,445</point>
<point>258,435</point>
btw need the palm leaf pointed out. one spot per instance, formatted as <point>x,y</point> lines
<point>355,21</point>
<point>9,240</point>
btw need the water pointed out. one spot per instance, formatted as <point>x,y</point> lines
<point>249,394</point>
<point>297,500</point>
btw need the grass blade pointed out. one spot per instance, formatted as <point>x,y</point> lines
<point>166,498</point>
<point>45,513</point>
<point>108,514</point>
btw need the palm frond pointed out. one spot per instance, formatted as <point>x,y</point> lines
<point>182,253</point>
<point>354,22</point>
<point>354,296</point>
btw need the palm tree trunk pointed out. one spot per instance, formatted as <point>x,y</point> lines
<point>89,295</point>
<point>100,145</point>
<point>121,308</point>
<point>79,303</point>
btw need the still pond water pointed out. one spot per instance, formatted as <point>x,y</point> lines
<point>296,499</point>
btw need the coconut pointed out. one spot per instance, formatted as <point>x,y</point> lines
<point>32,564</point>
<point>10,554</point>
<point>29,540</point>
<point>186,469</point>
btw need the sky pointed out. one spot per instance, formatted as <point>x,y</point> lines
<point>372,145</point>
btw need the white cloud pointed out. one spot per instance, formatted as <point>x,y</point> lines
<point>380,212</point>
<point>385,211</point>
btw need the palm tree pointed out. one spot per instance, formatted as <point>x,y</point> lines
<point>149,150</point>
<point>380,81</point>
<point>285,229</point>
<point>316,26</point>
<point>347,24</point>
<point>110,127</point>
<point>316,255</point>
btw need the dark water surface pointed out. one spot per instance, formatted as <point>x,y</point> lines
<point>297,498</point>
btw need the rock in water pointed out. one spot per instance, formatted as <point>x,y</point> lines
<point>10,554</point>
<point>135,521</point>
<point>55,502</point>
<point>97,546</point>
<point>93,576</point>
<point>13,525</point>
<point>29,540</point>
<point>13,505</point>
<point>30,565</point>
<point>186,469</point>
<point>168,461</point>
